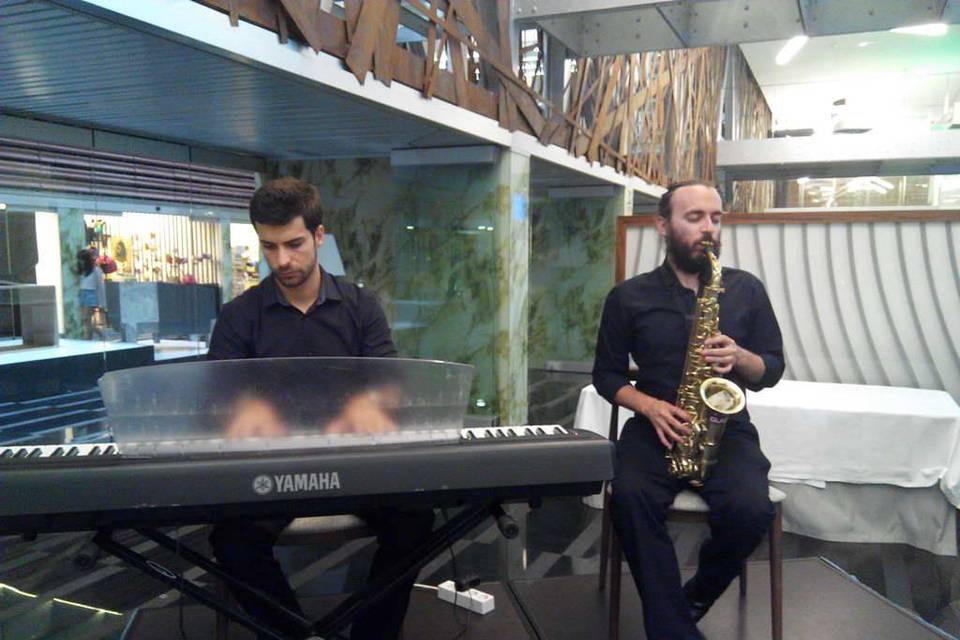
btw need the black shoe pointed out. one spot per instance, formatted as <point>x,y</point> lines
<point>698,607</point>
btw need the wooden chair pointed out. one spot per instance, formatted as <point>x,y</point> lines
<point>687,507</point>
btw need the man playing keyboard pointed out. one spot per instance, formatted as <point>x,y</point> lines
<point>301,310</point>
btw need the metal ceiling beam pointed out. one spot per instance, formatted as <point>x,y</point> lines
<point>840,156</point>
<point>605,27</point>
<point>542,9</point>
<point>836,17</point>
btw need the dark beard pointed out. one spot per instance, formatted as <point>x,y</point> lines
<point>303,277</point>
<point>684,256</point>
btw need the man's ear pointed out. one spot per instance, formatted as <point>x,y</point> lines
<point>318,235</point>
<point>661,225</point>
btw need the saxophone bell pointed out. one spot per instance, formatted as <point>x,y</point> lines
<point>721,399</point>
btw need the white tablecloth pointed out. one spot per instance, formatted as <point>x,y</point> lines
<point>820,433</point>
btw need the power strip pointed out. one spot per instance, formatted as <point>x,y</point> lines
<point>476,601</point>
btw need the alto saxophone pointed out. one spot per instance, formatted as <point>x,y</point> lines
<point>708,399</point>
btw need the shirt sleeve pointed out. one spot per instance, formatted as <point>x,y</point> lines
<point>612,360</point>
<point>375,340</point>
<point>229,340</point>
<point>765,340</point>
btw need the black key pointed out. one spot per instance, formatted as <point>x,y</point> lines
<point>36,453</point>
<point>94,452</point>
<point>72,451</point>
<point>7,453</point>
<point>57,452</point>
<point>110,450</point>
<point>541,432</point>
<point>22,453</point>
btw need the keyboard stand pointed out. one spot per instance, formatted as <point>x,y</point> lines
<point>333,622</point>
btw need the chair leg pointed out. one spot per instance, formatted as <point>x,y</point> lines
<point>616,563</point>
<point>743,579</point>
<point>776,574</point>
<point>605,536</point>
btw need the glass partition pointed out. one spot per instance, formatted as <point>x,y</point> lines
<point>89,286</point>
<point>870,191</point>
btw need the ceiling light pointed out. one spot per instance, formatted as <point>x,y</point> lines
<point>935,29</point>
<point>865,43</point>
<point>790,49</point>
<point>803,180</point>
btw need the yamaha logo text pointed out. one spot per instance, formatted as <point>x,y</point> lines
<point>296,482</point>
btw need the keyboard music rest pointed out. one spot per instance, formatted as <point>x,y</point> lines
<point>64,494</point>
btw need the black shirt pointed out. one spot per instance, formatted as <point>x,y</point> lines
<point>345,321</point>
<point>650,317</point>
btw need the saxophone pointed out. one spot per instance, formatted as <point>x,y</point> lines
<point>709,399</point>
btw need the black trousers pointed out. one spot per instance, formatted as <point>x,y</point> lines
<point>246,550</point>
<point>740,513</point>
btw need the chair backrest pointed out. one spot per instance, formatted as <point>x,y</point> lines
<point>614,422</point>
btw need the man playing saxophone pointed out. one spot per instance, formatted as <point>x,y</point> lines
<point>656,318</point>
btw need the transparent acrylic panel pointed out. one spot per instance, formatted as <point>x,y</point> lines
<point>284,403</point>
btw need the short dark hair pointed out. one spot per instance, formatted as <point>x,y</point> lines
<point>665,204</point>
<point>279,201</point>
<point>85,262</point>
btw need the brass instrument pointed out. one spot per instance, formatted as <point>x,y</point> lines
<point>709,399</point>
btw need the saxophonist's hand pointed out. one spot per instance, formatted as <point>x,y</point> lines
<point>669,421</point>
<point>722,352</point>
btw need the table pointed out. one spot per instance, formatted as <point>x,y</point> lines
<point>859,463</point>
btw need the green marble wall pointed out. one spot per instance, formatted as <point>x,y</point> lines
<point>422,238</point>
<point>571,272</point>
<point>471,269</point>
<point>72,240</point>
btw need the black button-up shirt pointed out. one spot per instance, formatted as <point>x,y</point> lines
<point>345,321</point>
<point>651,316</point>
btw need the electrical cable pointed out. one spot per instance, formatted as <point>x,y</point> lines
<point>465,624</point>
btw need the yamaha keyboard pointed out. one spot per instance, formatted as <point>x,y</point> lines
<point>86,487</point>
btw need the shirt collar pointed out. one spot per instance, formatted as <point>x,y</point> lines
<point>667,276</point>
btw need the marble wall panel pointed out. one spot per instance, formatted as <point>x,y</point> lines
<point>571,272</point>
